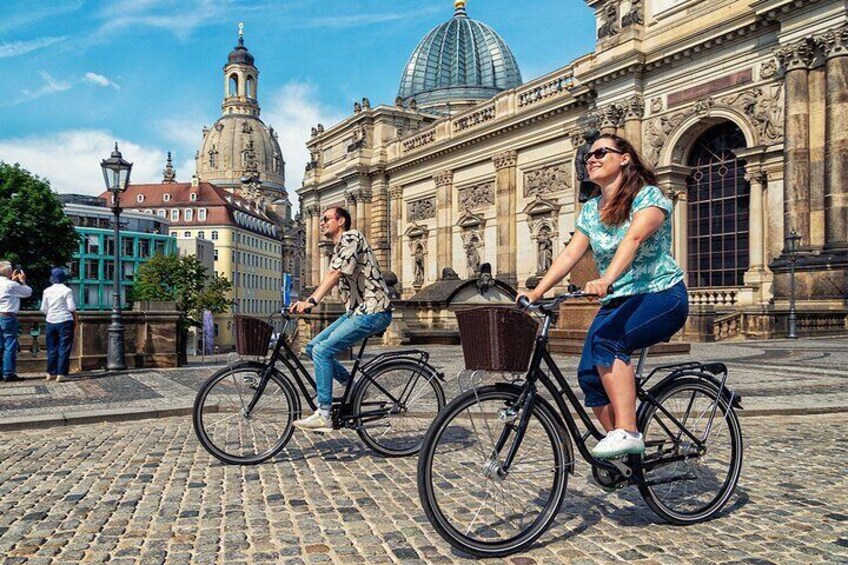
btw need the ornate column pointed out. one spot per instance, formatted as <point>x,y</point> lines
<point>817,88</point>
<point>350,203</point>
<point>444,225</point>
<point>506,186</point>
<point>834,44</point>
<point>672,179</point>
<point>758,181</point>
<point>395,231</point>
<point>312,250</point>
<point>363,213</point>
<point>379,220</point>
<point>796,59</point>
<point>609,118</point>
<point>634,109</point>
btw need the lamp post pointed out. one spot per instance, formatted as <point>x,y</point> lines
<point>116,174</point>
<point>792,240</point>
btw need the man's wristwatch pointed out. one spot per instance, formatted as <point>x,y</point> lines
<point>312,301</point>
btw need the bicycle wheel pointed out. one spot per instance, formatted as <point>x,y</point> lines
<point>396,404</point>
<point>224,428</point>
<point>690,489</point>
<point>467,499</point>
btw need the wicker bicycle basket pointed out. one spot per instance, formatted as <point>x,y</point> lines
<point>496,338</point>
<point>252,336</point>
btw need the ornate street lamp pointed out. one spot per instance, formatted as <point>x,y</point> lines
<point>116,174</point>
<point>792,240</point>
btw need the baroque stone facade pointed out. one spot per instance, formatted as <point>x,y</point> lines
<point>740,106</point>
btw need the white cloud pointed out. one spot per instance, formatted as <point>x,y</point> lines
<point>70,160</point>
<point>293,110</point>
<point>50,86</point>
<point>16,48</point>
<point>99,80</point>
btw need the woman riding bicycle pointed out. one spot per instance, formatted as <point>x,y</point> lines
<point>628,227</point>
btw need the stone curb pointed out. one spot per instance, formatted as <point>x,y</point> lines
<point>88,417</point>
<point>42,421</point>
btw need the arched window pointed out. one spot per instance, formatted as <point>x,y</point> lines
<point>233,86</point>
<point>251,87</point>
<point>717,209</point>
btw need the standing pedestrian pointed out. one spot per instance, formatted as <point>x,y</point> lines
<point>58,305</point>
<point>13,287</point>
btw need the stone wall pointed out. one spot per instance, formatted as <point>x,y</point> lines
<point>150,340</point>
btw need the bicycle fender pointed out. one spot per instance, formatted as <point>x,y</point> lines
<point>569,448</point>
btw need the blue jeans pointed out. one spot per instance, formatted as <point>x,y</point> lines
<point>337,337</point>
<point>9,330</point>
<point>636,322</point>
<point>60,338</point>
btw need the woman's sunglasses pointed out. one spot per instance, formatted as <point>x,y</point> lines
<point>600,153</point>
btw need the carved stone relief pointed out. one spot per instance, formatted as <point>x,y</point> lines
<point>505,159</point>
<point>422,209</point>
<point>609,17</point>
<point>795,56</point>
<point>656,104</point>
<point>417,236</point>
<point>768,69</point>
<point>634,16</point>
<point>473,245</point>
<point>477,195</point>
<point>547,180</point>
<point>763,105</point>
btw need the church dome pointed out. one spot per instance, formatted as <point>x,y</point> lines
<point>240,55</point>
<point>458,64</point>
<point>237,146</point>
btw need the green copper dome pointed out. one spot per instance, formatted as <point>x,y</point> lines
<point>457,64</point>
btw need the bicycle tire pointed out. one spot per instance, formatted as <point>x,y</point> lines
<point>399,434</point>
<point>227,392</point>
<point>441,502</point>
<point>720,464</point>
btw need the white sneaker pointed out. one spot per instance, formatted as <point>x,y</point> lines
<point>619,442</point>
<point>316,422</point>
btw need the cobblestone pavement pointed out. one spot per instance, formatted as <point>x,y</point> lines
<point>772,376</point>
<point>146,492</point>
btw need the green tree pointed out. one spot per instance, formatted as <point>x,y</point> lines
<point>34,230</point>
<point>183,280</point>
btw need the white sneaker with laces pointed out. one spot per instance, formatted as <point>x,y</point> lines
<point>315,422</point>
<point>617,443</point>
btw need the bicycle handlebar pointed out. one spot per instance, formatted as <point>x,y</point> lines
<point>551,305</point>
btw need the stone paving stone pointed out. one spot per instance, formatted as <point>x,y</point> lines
<point>329,500</point>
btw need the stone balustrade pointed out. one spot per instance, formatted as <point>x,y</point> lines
<point>727,296</point>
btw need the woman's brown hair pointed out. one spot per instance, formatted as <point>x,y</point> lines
<point>637,174</point>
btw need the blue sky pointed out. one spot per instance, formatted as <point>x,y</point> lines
<point>148,73</point>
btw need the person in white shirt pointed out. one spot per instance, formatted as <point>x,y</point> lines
<point>13,287</point>
<point>57,303</point>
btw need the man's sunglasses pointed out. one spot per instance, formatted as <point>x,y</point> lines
<point>325,219</point>
<point>600,153</point>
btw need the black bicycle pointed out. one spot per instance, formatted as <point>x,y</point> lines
<point>494,464</point>
<point>244,413</point>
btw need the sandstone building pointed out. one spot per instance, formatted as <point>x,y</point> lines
<point>741,105</point>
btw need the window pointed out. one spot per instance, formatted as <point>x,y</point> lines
<point>187,234</point>
<point>92,296</point>
<point>233,86</point>
<point>201,215</point>
<point>139,198</point>
<point>201,234</point>
<point>251,87</point>
<point>189,214</point>
<point>91,269</point>
<point>215,254</point>
<point>92,244</point>
<point>167,197</point>
<point>162,213</point>
<point>173,234</point>
<point>128,246</point>
<point>128,268</point>
<point>144,247</point>
<point>108,270</point>
<point>717,209</point>
<point>214,236</point>
<point>175,215</point>
<point>193,197</point>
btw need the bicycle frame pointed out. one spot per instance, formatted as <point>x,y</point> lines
<point>559,387</point>
<point>307,386</point>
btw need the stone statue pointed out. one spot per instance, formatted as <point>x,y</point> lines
<point>418,278</point>
<point>545,253</point>
<point>587,187</point>
<point>472,258</point>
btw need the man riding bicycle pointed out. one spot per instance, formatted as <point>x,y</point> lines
<point>369,311</point>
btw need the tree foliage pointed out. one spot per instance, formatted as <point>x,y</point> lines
<point>183,280</point>
<point>34,230</point>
